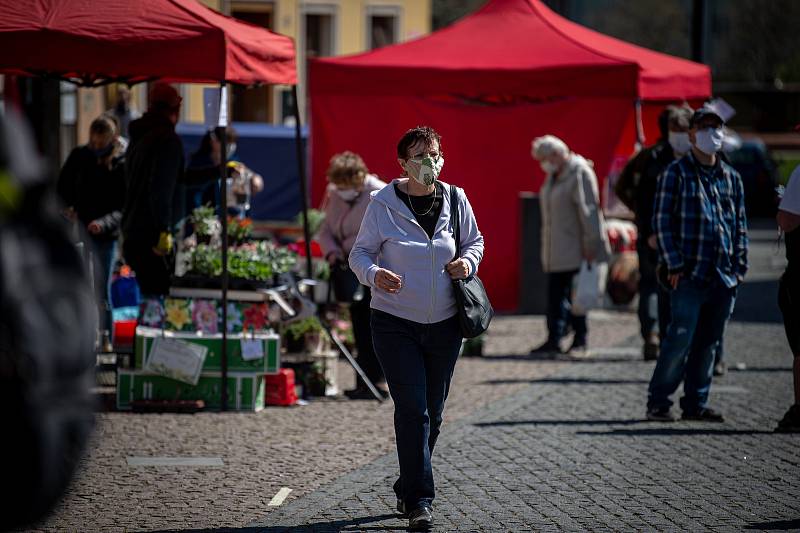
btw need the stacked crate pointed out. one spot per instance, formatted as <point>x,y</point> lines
<point>245,377</point>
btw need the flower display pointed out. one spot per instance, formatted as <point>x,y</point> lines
<point>255,317</point>
<point>234,317</point>
<point>151,313</point>
<point>205,317</point>
<point>177,311</point>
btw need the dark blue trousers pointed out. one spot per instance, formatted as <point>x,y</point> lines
<point>418,361</point>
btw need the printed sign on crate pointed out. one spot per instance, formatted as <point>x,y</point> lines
<point>176,359</point>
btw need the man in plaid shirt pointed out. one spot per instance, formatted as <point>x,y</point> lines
<point>699,220</point>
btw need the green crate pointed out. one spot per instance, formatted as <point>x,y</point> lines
<point>245,390</point>
<point>269,364</point>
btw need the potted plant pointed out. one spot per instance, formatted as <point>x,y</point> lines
<point>206,225</point>
<point>240,230</point>
<point>309,334</point>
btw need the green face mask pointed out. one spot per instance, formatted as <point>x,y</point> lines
<point>429,169</point>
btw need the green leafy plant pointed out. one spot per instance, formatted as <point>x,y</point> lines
<point>206,260</point>
<point>239,229</point>
<point>315,220</point>
<point>205,221</point>
<point>298,329</point>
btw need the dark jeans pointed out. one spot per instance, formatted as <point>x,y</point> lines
<point>367,360</point>
<point>699,312</point>
<point>648,290</point>
<point>789,303</point>
<point>418,360</point>
<point>103,252</point>
<point>152,271</point>
<point>559,304</point>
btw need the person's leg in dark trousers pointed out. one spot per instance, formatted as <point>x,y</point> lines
<point>367,360</point>
<point>714,314</point>
<point>648,305</point>
<point>686,301</point>
<point>664,313</point>
<point>104,252</point>
<point>418,361</point>
<point>559,290</point>
<point>152,271</point>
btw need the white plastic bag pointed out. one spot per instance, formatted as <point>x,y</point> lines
<point>590,287</point>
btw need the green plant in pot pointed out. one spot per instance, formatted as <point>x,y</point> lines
<point>206,224</point>
<point>314,337</point>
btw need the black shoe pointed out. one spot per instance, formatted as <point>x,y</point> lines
<point>401,507</point>
<point>548,350</point>
<point>660,414</point>
<point>420,519</point>
<point>704,415</point>
<point>363,393</point>
<point>790,423</point>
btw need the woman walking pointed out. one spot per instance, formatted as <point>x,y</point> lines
<point>405,251</point>
<point>573,231</point>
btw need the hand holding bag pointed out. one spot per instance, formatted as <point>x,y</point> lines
<point>474,309</point>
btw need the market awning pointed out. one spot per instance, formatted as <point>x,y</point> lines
<point>96,41</point>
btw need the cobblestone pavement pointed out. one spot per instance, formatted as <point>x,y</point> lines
<point>300,448</point>
<point>571,451</point>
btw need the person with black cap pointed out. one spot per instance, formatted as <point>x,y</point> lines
<point>154,166</point>
<point>701,231</point>
<point>636,188</point>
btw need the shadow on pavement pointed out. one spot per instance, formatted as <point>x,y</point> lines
<point>568,381</point>
<point>778,525</point>
<point>353,524</point>
<point>663,431</point>
<point>558,423</point>
<point>761,369</point>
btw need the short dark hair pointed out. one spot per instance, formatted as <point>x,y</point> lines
<point>680,115</point>
<point>414,135</point>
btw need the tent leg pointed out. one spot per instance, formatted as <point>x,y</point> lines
<point>223,200</point>
<point>301,168</point>
<point>640,140</point>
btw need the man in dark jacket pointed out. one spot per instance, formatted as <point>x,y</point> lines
<point>92,186</point>
<point>636,188</point>
<point>154,167</point>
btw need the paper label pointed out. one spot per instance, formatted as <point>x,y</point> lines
<point>176,359</point>
<point>252,349</point>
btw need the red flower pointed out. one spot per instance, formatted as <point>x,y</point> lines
<point>255,316</point>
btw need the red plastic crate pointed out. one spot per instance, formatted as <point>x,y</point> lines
<point>124,330</point>
<point>279,388</point>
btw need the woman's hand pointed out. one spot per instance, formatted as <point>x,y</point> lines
<point>388,281</point>
<point>458,269</point>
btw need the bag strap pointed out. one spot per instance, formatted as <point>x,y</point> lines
<point>455,219</point>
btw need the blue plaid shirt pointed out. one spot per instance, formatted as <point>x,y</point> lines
<point>700,221</point>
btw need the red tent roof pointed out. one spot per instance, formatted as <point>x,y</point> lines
<point>174,40</point>
<point>520,47</point>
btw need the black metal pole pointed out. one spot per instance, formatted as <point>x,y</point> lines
<point>698,30</point>
<point>223,203</point>
<point>301,168</point>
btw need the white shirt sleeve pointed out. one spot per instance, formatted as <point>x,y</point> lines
<point>791,196</point>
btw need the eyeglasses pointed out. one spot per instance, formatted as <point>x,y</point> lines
<point>433,155</point>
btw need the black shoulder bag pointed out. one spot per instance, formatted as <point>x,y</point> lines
<point>474,309</point>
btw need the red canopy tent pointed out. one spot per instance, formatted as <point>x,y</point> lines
<point>489,84</point>
<point>92,42</point>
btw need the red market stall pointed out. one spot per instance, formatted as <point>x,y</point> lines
<point>489,84</point>
<point>94,42</point>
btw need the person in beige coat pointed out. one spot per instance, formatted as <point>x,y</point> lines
<point>573,231</point>
<point>348,195</point>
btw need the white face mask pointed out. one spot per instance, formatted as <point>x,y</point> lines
<point>348,195</point>
<point>709,140</point>
<point>548,167</point>
<point>425,170</point>
<point>679,140</point>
